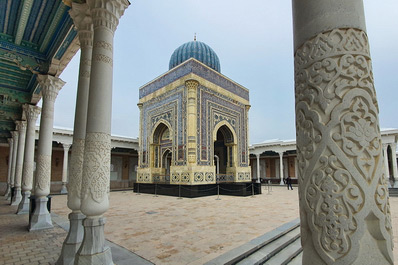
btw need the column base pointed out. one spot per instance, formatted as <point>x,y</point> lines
<point>281,183</point>
<point>23,207</point>
<point>9,196</point>
<point>73,240</point>
<point>41,218</point>
<point>64,189</point>
<point>93,249</point>
<point>7,192</point>
<point>17,197</point>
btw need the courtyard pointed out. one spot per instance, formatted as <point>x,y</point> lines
<point>163,229</point>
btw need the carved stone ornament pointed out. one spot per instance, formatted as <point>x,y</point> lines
<point>51,85</point>
<point>43,173</point>
<point>81,17</point>
<point>31,112</point>
<point>106,13</point>
<point>20,125</point>
<point>96,167</point>
<point>343,190</point>
<point>76,168</point>
<point>28,176</point>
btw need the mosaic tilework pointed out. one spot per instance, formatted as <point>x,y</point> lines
<point>170,109</point>
<point>193,66</point>
<point>216,108</point>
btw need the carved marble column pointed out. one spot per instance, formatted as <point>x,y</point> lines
<point>82,19</point>
<point>192,87</point>
<point>8,191</point>
<point>281,167</point>
<point>50,85</point>
<point>96,167</point>
<point>14,135</point>
<point>394,161</point>
<point>65,168</point>
<point>21,126</point>
<point>344,208</point>
<point>258,168</point>
<point>31,112</point>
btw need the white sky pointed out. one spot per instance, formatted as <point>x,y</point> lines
<point>253,40</point>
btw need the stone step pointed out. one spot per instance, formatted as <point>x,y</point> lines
<point>287,254</point>
<point>268,252</point>
<point>238,254</point>
<point>298,260</point>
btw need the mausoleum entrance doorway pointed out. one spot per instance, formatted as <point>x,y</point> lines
<point>166,162</point>
<point>223,149</point>
<point>162,152</point>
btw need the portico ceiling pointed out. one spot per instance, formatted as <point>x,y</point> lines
<point>36,37</point>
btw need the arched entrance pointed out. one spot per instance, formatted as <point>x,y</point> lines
<point>162,147</point>
<point>223,150</point>
<point>166,161</point>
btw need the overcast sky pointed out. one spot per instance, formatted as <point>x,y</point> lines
<point>253,40</point>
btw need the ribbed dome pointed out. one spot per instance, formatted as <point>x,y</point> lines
<point>198,50</point>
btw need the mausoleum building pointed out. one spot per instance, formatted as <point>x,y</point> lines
<point>193,122</point>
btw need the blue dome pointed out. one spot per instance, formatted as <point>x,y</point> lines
<point>198,50</point>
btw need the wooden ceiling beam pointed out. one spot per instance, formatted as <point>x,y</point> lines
<point>23,20</point>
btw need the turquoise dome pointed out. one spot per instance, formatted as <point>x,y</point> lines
<point>198,50</point>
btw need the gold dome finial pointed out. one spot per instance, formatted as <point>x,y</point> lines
<point>194,37</point>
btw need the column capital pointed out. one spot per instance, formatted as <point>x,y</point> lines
<point>9,140</point>
<point>80,14</point>
<point>191,84</point>
<point>14,134</point>
<point>66,147</point>
<point>32,112</point>
<point>50,86</point>
<point>20,125</point>
<point>106,13</point>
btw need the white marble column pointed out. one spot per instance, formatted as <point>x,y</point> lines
<point>281,167</point>
<point>65,168</point>
<point>385,158</point>
<point>82,19</point>
<point>258,168</point>
<point>343,195</point>
<point>21,125</point>
<point>394,161</point>
<point>8,191</point>
<point>31,112</point>
<point>96,166</point>
<point>41,218</point>
<point>13,161</point>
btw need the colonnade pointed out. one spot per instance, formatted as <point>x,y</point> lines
<point>88,187</point>
<point>22,148</point>
<point>282,166</point>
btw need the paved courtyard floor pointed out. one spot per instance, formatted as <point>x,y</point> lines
<point>167,230</point>
<point>163,229</point>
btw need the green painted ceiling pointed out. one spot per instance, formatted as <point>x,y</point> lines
<point>34,35</point>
